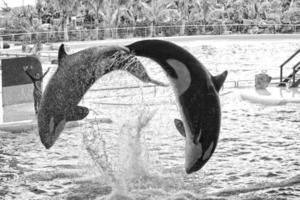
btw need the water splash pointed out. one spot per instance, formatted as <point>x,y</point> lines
<point>133,154</point>
<point>127,165</point>
<point>95,145</point>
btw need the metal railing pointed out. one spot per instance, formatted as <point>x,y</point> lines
<point>83,34</point>
<point>291,75</point>
<point>296,68</point>
<point>227,84</point>
<point>45,56</point>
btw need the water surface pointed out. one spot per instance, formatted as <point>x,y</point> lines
<point>140,154</point>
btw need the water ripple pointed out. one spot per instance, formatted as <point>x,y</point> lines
<point>257,156</point>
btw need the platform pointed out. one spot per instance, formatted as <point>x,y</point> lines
<point>271,95</point>
<point>21,118</point>
<point>18,112</point>
<point>17,117</point>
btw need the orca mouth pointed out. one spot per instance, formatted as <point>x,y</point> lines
<point>131,49</point>
<point>197,156</point>
<point>49,137</point>
<point>126,49</point>
<point>197,166</point>
<point>48,145</point>
<point>193,153</point>
<point>48,140</point>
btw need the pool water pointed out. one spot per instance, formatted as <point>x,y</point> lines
<point>140,155</point>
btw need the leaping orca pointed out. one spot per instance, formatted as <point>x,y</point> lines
<point>197,93</point>
<point>75,74</point>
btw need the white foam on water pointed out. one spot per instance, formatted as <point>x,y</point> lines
<point>127,165</point>
<point>133,159</point>
<point>95,145</point>
<point>117,194</point>
<point>261,187</point>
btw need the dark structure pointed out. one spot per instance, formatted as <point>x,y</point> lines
<point>16,85</point>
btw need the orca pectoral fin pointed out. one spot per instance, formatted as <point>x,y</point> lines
<point>219,80</point>
<point>77,113</point>
<point>179,125</point>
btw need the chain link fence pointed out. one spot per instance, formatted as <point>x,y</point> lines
<point>218,28</point>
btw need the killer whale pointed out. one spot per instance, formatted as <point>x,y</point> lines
<point>197,94</point>
<point>75,74</point>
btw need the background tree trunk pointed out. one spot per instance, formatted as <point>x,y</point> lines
<point>152,30</point>
<point>182,27</point>
<point>66,24</point>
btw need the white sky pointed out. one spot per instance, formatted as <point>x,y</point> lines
<point>16,3</point>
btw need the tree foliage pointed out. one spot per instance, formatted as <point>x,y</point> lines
<point>258,15</point>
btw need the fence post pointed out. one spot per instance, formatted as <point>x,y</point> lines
<point>294,74</point>
<point>281,71</point>
<point>97,33</point>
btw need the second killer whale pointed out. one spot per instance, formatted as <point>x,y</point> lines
<point>197,94</point>
<point>75,74</point>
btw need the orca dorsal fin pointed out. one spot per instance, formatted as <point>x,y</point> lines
<point>219,80</point>
<point>61,53</point>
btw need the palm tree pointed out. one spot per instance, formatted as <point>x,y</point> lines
<point>157,11</point>
<point>21,20</point>
<point>112,13</point>
<point>39,8</point>
<point>199,11</point>
<point>96,6</point>
<point>67,8</point>
<point>291,15</point>
<point>206,7</point>
<point>122,15</point>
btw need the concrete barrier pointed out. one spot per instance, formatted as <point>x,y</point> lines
<point>17,88</point>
